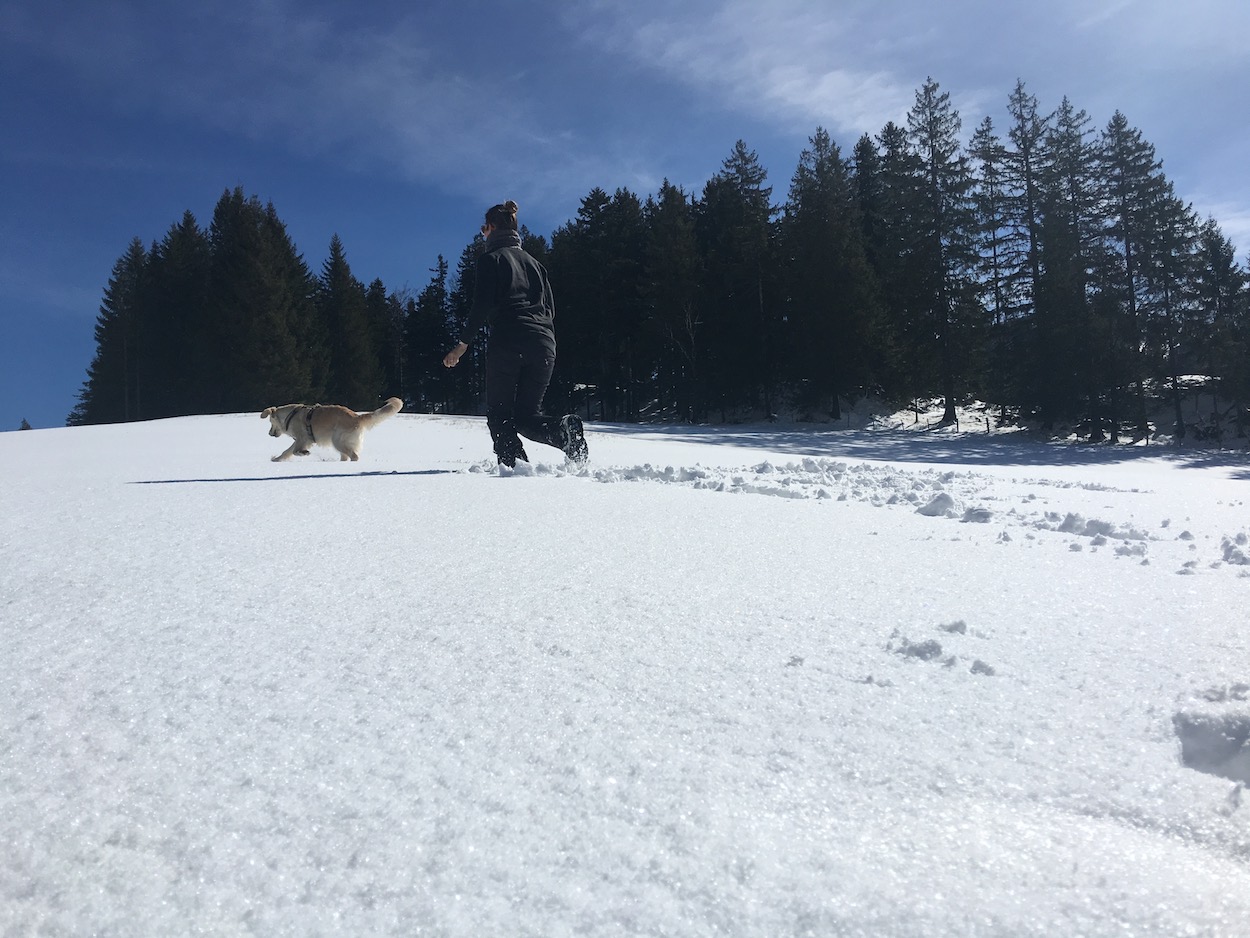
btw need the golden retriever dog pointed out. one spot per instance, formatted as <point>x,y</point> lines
<point>325,425</point>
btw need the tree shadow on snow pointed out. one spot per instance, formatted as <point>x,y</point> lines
<point>929,446</point>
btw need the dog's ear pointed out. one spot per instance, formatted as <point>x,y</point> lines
<point>267,411</point>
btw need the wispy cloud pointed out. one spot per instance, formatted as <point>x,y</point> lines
<point>1167,32</point>
<point>790,62</point>
<point>1093,14</point>
<point>360,94</point>
<point>411,95</point>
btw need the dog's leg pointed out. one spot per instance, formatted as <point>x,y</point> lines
<point>286,454</point>
<point>348,446</point>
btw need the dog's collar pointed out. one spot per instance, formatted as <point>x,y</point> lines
<point>286,424</point>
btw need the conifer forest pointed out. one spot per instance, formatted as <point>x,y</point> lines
<point>1042,263</point>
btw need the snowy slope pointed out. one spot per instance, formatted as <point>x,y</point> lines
<point>758,681</point>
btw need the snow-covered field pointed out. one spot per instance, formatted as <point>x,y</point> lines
<point>758,681</point>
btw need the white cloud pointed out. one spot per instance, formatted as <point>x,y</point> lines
<point>1167,32</point>
<point>798,64</point>
<point>853,65</point>
<point>399,96</point>
<point>1093,14</point>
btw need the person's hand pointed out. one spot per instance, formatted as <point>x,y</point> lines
<point>452,358</point>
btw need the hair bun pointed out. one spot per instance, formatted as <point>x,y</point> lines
<point>502,215</point>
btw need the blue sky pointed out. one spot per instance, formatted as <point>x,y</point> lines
<point>393,125</point>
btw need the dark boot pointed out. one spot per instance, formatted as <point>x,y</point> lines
<point>574,439</point>
<point>508,449</point>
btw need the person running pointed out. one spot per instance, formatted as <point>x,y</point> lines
<point>512,297</point>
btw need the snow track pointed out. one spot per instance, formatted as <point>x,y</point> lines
<point>957,495</point>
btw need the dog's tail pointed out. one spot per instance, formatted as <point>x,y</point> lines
<point>392,406</point>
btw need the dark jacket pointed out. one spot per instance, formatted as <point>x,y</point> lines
<point>511,295</point>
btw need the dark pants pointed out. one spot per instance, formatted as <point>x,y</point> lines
<point>516,380</point>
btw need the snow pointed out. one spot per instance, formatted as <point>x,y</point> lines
<point>740,681</point>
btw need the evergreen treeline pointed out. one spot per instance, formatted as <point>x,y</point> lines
<point>1046,266</point>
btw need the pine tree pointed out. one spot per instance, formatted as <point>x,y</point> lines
<point>266,339</point>
<point>952,315</point>
<point>621,365</point>
<point>1223,296</point>
<point>578,264</point>
<point>1133,197</point>
<point>1068,363</point>
<point>426,340</point>
<point>535,245</point>
<point>734,226</point>
<point>175,323</point>
<point>833,311</point>
<point>596,271</point>
<point>1024,317</point>
<point>869,197</point>
<point>997,269</point>
<point>887,182</point>
<point>671,290</point>
<point>468,385</point>
<point>1220,279</point>
<point>385,314</point>
<point>107,396</point>
<point>355,367</point>
<point>1022,178</point>
<point>990,201</point>
<point>295,296</point>
<point>1173,316</point>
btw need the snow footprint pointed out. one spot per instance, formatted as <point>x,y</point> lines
<point>1213,727</point>
<point>931,649</point>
